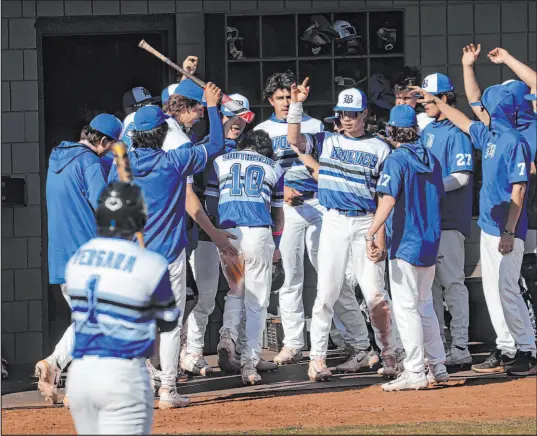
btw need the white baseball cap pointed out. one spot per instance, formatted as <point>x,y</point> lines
<point>352,100</point>
<point>437,83</point>
<point>241,99</point>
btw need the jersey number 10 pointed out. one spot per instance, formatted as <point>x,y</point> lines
<point>253,180</point>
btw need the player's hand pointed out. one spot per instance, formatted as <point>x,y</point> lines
<point>276,256</point>
<point>300,93</point>
<point>424,96</point>
<point>533,169</point>
<point>375,252</point>
<point>190,64</point>
<point>506,244</point>
<point>292,196</point>
<point>498,55</point>
<point>221,240</point>
<point>470,53</point>
<point>212,94</point>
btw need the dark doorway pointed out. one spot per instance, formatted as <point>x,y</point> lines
<point>82,76</point>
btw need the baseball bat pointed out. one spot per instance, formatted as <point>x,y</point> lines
<point>227,102</point>
<point>125,174</point>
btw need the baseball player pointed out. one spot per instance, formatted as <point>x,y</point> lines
<point>503,223</point>
<point>117,290</point>
<point>303,214</point>
<point>409,189</point>
<point>74,181</point>
<point>250,207</point>
<point>350,165</point>
<point>162,178</point>
<point>401,88</point>
<point>454,152</point>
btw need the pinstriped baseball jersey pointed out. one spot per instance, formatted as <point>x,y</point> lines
<point>249,185</point>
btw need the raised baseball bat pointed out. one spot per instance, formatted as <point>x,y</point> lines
<point>125,174</point>
<point>227,102</point>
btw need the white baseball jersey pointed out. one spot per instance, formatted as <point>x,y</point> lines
<point>128,127</point>
<point>176,138</point>
<point>249,185</point>
<point>117,290</point>
<point>350,168</point>
<point>297,175</point>
<point>423,120</point>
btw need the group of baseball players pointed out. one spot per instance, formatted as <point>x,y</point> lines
<point>358,203</point>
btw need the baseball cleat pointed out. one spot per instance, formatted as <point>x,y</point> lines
<point>266,366</point>
<point>458,357</point>
<point>520,364</point>
<point>196,364</point>
<point>492,365</point>
<point>318,371</point>
<point>362,359</point>
<point>437,373</point>
<point>49,377</point>
<point>249,374</point>
<point>390,367</point>
<point>226,351</point>
<point>530,369</point>
<point>170,399</point>
<point>406,381</point>
<point>288,355</point>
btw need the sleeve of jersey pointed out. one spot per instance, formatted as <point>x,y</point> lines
<point>164,300</point>
<point>95,183</point>
<point>479,135</point>
<point>277,192</point>
<point>314,142</point>
<point>112,175</point>
<point>391,178</point>
<point>518,164</point>
<point>460,154</point>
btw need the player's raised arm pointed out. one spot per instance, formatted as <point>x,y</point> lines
<point>299,94</point>
<point>524,72</point>
<point>470,53</point>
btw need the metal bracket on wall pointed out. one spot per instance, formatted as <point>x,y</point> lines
<point>14,191</point>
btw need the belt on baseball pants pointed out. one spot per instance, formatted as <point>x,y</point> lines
<point>251,227</point>
<point>351,213</point>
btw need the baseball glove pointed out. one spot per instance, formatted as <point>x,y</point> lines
<point>278,276</point>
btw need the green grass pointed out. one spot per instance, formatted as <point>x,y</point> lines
<point>524,426</point>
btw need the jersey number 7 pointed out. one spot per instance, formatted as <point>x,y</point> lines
<point>253,180</point>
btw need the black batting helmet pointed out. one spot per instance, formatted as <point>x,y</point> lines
<point>278,276</point>
<point>121,210</point>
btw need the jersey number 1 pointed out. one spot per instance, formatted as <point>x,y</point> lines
<point>253,180</point>
<point>92,299</point>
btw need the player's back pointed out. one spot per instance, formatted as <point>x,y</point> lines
<point>111,283</point>
<point>249,183</point>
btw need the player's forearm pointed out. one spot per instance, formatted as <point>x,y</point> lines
<point>456,181</point>
<point>311,164</point>
<point>473,93</point>
<point>524,72</point>
<point>455,116</point>
<point>385,205</point>
<point>216,133</point>
<point>195,209</point>
<point>515,207</point>
<point>295,137</point>
<point>277,219</point>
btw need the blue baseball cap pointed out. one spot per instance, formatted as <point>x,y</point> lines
<point>107,124</point>
<point>241,99</point>
<point>351,100</point>
<point>519,90</point>
<point>187,88</point>
<point>148,117</point>
<point>403,116</point>
<point>437,83</point>
<point>167,92</point>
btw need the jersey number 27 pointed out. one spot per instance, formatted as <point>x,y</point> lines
<point>253,180</point>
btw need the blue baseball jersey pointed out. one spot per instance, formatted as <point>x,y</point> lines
<point>349,169</point>
<point>506,159</point>
<point>249,185</point>
<point>412,175</point>
<point>454,151</point>
<point>117,291</point>
<point>297,175</point>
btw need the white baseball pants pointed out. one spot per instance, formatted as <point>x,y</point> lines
<point>342,238</point>
<point>205,264</point>
<point>256,246</point>
<point>110,396</point>
<point>414,312</point>
<point>64,348</point>
<point>507,309</point>
<point>170,342</point>
<point>449,285</point>
<point>301,231</point>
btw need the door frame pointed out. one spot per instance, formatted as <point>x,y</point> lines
<point>164,24</point>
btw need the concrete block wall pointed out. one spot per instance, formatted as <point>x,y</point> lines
<point>435,33</point>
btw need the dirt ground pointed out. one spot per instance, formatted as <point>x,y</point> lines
<point>470,400</point>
